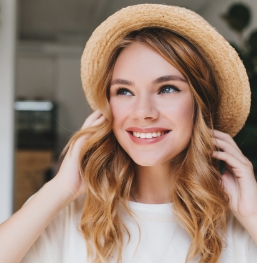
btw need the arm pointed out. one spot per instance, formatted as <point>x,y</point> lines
<point>250,224</point>
<point>238,181</point>
<point>20,231</point>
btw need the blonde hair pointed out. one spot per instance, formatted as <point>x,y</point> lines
<point>199,200</point>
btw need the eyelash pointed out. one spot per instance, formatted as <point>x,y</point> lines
<point>170,86</point>
<point>119,90</point>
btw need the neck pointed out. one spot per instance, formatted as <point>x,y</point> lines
<point>153,184</point>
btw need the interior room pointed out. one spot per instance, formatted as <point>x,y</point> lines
<point>42,100</point>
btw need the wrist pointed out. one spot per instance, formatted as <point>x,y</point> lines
<point>250,224</point>
<point>59,192</point>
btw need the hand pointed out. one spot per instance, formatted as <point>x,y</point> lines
<point>238,179</point>
<point>68,175</point>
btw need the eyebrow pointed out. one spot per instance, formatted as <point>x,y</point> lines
<point>122,82</point>
<point>158,80</point>
<point>169,77</point>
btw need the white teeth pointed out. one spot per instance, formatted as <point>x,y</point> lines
<point>147,135</point>
<point>142,135</point>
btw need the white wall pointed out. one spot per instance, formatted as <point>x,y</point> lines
<point>211,12</point>
<point>73,107</point>
<point>7,57</point>
<point>51,19</point>
<point>52,72</point>
<point>35,76</point>
<point>215,8</point>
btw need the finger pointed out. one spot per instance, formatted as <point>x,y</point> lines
<point>82,139</point>
<point>235,164</point>
<point>224,136</point>
<point>98,121</point>
<point>227,147</point>
<point>94,123</point>
<point>91,118</point>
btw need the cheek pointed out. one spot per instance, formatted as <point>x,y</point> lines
<point>187,114</point>
<point>182,117</point>
<point>118,113</point>
<point>187,123</point>
<point>186,117</point>
<point>180,111</point>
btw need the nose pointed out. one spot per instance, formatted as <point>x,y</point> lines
<point>145,108</point>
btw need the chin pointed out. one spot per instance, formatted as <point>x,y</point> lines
<point>146,162</point>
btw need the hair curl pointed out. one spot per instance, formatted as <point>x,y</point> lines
<point>199,200</point>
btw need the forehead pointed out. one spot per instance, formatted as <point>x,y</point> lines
<point>141,60</point>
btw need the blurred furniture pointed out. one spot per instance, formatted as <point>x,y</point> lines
<point>49,71</point>
<point>36,143</point>
<point>31,169</point>
<point>35,124</point>
<point>52,71</point>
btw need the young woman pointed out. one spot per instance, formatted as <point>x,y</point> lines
<point>140,181</point>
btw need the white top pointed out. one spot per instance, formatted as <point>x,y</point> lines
<point>162,238</point>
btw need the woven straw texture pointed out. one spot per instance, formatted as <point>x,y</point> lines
<point>230,71</point>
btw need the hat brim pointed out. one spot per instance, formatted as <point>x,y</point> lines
<point>229,70</point>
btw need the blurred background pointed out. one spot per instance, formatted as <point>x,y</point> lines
<point>41,99</point>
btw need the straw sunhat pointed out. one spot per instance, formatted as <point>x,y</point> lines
<point>228,68</point>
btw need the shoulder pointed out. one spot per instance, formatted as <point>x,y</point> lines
<point>62,240</point>
<point>239,243</point>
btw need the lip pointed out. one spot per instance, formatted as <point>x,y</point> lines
<point>146,141</point>
<point>146,130</point>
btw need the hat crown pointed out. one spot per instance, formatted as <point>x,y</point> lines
<point>229,70</point>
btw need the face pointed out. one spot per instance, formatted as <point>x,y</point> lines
<point>152,106</point>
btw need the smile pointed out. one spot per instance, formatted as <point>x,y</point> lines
<point>149,135</point>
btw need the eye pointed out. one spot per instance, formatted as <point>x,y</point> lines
<point>123,91</point>
<point>168,89</point>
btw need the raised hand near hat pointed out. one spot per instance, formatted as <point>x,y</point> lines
<point>19,232</point>
<point>68,174</point>
<point>239,181</point>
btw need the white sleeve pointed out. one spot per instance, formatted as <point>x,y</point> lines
<point>61,239</point>
<point>252,253</point>
<point>48,247</point>
<point>240,247</point>
<point>31,256</point>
